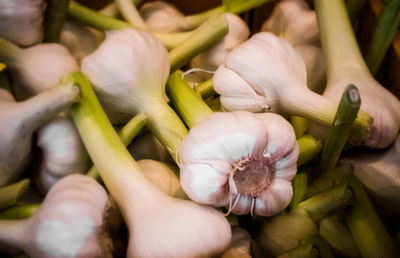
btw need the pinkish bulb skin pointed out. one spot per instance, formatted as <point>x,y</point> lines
<point>241,160</point>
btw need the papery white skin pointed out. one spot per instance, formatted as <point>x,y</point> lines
<point>147,146</point>
<point>314,60</point>
<point>212,152</point>
<point>80,41</point>
<point>163,177</point>
<point>294,21</point>
<point>128,71</point>
<point>18,121</point>
<point>160,16</point>
<point>40,67</point>
<point>63,152</point>
<point>21,21</point>
<point>69,223</point>
<point>210,59</point>
<point>379,171</point>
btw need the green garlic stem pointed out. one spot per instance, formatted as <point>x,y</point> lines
<point>112,9</point>
<point>206,89</point>
<point>195,20</point>
<point>299,124</point>
<point>367,230</point>
<point>20,211</point>
<point>354,8</point>
<point>299,184</point>
<point>54,17</point>
<point>309,148</point>
<point>383,35</point>
<point>91,18</point>
<point>310,246</point>
<point>10,194</point>
<point>5,81</point>
<point>338,42</point>
<point>130,13</point>
<point>9,53</point>
<point>200,39</point>
<point>349,106</point>
<point>126,134</point>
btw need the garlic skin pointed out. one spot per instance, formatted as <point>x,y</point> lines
<point>80,41</point>
<point>240,246</point>
<point>40,67</point>
<point>63,152</point>
<point>294,21</point>
<point>128,63</point>
<point>69,223</point>
<point>21,21</point>
<point>223,150</point>
<point>160,16</point>
<point>147,146</point>
<point>210,59</point>
<point>162,176</point>
<point>18,121</point>
<point>379,171</point>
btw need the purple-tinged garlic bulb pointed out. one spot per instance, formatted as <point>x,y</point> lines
<point>21,21</point>
<point>69,223</point>
<point>240,160</point>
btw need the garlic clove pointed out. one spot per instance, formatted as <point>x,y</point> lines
<point>231,159</point>
<point>21,21</point>
<point>210,59</point>
<point>80,41</point>
<point>147,146</point>
<point>160,16</point>
<point>294,21</point>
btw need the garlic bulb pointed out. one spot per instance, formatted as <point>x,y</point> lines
<point>294,21</point>
<point>240,246</point>
<point>147,146</point>
<point>160,16</point>
<point>18,121</point>
<point>162,176</point>
<point>69,223</point>
<point>63,152</point>
<point>266,74</point>
<point>241,160</point>
<point>80,41</point>
<point>21,21</point>
<point>379,171</point>
<point>36,68</point>
<point>215,56</point>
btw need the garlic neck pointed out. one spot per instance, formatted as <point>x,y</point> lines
<point>252,176</point>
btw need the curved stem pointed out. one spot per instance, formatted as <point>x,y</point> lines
<point>112,9</point>
<point>130,13</point>
<point>195,20</point>
<point>299,124</point>
<point>20,211</point>
<point>299,184</point>
<point>54,17</point>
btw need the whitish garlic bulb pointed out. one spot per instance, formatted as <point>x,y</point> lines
<point>128,71</point>
<point>240,160</point>
<point>163,17</point>
<point>36,68</point>
<point>163,177</point>
<point>147,146</point>
<point>379,171</point>
<point>18,121</point>
<point>69,223</point>
<point>294,21</point>
<point>21,21</point>
<point>80,41</point>
<point>63,152</point>
<point>210,59</point>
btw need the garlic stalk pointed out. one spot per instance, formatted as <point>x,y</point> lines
<point>19,211</point>
<point>112,9</point>
<point>130,13</point>
<point>69,223</point>
<point>54,17</point>
<point>266,74</point>
<point>63,152</point>
<point>345,65</point>
<point>10,194</point>
<point>294,21</point>
<point>18,121</point>
<point>174,226</point>
<point>80,41</point>
<point>215,56</point>
<point>36,68</point>
<point>21,21</point>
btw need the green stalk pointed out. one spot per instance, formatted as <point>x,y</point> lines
<point>354,8</point>
<point>367,230</point>
<point>299,124</point>
<point>5,81</point>
<point>9,52</point>
<point>310,246</point>
<point>54,17</point>
<point>329,202</point>
<point>10,194</point>
<point>20,211</point>
<point>340,130</point>
<point>205,89</point>
<point>126,134</point>
<point>299,184</point>
<point>130,13</point>
<point>383,35</point>
<point>91,18</point>
<point>112,9</point>
<point>309,148</point>
<point>200,39</point>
